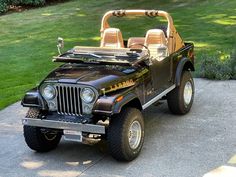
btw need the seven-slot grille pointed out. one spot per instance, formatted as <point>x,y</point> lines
<point>68,100</point>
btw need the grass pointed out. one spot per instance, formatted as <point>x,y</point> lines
<point>28,39</point>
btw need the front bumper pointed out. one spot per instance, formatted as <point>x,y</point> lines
<point>90,128</point>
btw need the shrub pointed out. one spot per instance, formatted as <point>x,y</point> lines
<point>26,2</point>
<point>3,6</point>
<point>216,67</point>
<point>33,2</point>
<point>233,63</point>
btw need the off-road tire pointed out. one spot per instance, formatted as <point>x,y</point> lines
<point>118,132</point>
<point>175,98</point>
<point>35,138</point>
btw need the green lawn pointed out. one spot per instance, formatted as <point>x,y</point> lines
<point>28,39</point>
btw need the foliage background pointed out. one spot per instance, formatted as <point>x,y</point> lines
<point>4,4</point>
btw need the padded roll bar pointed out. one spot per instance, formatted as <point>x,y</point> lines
<point>172,35</point>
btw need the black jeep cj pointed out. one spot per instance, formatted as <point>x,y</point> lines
<point>100,92</point>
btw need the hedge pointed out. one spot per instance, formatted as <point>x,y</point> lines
<point>213,67</point>
<point>4,4</point>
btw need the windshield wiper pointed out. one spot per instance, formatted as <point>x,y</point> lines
<point>71,54</point>
<point>88,55</point>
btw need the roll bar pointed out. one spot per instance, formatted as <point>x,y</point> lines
<point>172,35</point>
<point>149,13</point>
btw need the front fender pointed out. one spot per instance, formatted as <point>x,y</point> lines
<point>33,98</point>
<point>184,64</point>
<point>109,105</point>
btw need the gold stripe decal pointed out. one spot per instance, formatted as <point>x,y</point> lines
<point>121,85</point>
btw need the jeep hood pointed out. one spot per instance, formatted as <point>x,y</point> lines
<point>96,76</point>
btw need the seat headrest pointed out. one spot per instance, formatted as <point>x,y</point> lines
<point>112,38</point>
<point>155,36</point>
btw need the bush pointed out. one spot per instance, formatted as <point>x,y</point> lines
<point>3,6</point>
<point>33,2</point>
<point>218,67</point>
<point>26,2</point>
<point>233,63</point>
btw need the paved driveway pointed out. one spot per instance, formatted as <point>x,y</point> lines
<point>175,146</point>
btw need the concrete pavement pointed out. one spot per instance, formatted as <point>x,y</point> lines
<point>175,146</point>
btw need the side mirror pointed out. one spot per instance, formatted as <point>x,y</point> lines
<point>60,44</point>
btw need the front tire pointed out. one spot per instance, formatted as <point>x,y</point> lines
<point>125,134</point>
<point>39,139</point>
<point>180,99</point>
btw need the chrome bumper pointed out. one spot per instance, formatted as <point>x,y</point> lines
<point>99,129</point>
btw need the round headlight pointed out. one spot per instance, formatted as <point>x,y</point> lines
<point>87,95</point>
<point>49,92</point>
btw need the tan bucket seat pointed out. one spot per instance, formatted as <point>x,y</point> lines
<point>155,37</point>
<point>156,42</point>
<point>112,38</point>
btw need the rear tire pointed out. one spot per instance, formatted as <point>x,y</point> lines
<point>126,134</point>
<point>180,99</point>
<point>38,140</point>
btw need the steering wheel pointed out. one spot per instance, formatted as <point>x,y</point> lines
<point>139,50</point>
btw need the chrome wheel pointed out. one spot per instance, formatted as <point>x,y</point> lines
<point>135,134</point>
<point>188,92</point>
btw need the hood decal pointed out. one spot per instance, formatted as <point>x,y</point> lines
<point>120,85</point>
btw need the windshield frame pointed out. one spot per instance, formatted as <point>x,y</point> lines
<point>107,56</point>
